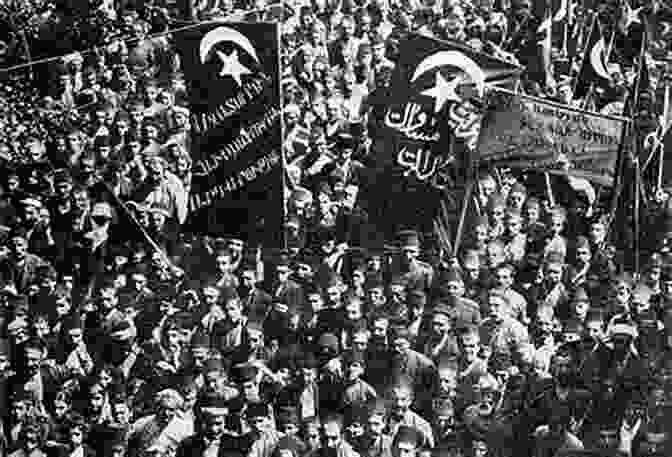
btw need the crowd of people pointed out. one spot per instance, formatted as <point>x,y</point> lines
<point>123,334</point>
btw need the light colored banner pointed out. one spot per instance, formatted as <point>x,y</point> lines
<point>519,131</point>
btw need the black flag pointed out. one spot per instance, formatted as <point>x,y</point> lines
<point>233,80</point>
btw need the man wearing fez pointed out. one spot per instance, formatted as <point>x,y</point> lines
<point>603,265</point>
<point>409,364</point>
<point>375,442</point>
<point>229,334</point>
<point>162,186</point>
<point>333,443</point>
<point>402,415</point>
<point>484,422</point>
<point>408,442</point>
<point>212,439</point>
<point>563,389</point>
<point>41,379</point>
<point>262,438</point>
<point>256,301</point>
<point>441,342</point>
<point>20,266</point>
<point>285,290</point>
<point>419,275</point>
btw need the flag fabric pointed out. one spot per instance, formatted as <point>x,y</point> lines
<point>626,199</point>
<point>233,82</point>
<point>526,132</point>
<point>431,122</point>
<point>594,67</point>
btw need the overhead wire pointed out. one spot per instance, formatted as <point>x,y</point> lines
<point>131,40</point>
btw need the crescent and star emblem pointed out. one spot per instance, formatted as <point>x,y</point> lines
<point>597,59</point>
<point>445,90</point>
<point>231,65</point>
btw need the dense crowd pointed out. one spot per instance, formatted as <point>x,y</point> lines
<point>123,334</point>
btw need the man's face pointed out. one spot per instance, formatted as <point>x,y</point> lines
<point>376,296</point>
<point>19,248</point>
<point>76,436</point>
<point>96,400</point>
<point>495,255</point>
<point>33,359</point>
<point>470,346</point>
<point>211,297</point>
<point>497,308</point>
<point>380,328</point>
<point>173,339</point>
<point>447,382</point>
<point>353,312</point>
<point>621,295</point>
<point>108,299</point>
<point>76,336</point>
<point>583,255</point>
<point>398,293</point>
<point>283,273</point>
<point>553,273</point>
<point>376,425</point>
<point>214,426</point>
<point>332,435</point>
<point>440,324</point>
<point>666,287</point>
<point>597,233</point>
<point>581,308</point>
<point>61,408</point>
<point>316,302</point>
<point>513,225</point>
<point>121,413</point>
<point>402,400</point>
<point>82,201</point>
<point>594,329</point>
<point>167,412</point>
<point>19,410</point>
<point>504,278</point>
<point>410,253</point>
<point>479,449</point>
<point>334,294</point>
<point>156,168</point>
<point>405,449</point>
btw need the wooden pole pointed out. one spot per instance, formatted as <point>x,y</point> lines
<point>636,216</point>
<point>463,214</point>
<point>661,147</point>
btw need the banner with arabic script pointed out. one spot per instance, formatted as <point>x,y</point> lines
<point>232,74</point>
<point>438,87</point>
<point>520,131</point>
<point>430,123</point>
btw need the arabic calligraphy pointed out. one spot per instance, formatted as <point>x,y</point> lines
<point>425,166</point>
<point>414,123</point>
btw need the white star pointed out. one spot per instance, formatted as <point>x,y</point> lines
<point>231,66</point>
<point>630,15</point>
<point>443,91</point>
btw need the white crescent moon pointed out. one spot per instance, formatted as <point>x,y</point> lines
<point>454,59</point>
<point>597,61</point>
<point>225,34</point>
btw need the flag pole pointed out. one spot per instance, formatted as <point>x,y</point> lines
<point>585,52</point>
<point>463,214</point>
<point>666,121</point>
<point>636,216</point>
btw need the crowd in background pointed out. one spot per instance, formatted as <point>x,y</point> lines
<point>124,335</point>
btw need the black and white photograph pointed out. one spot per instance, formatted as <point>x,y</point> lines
<point>335,228</point>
